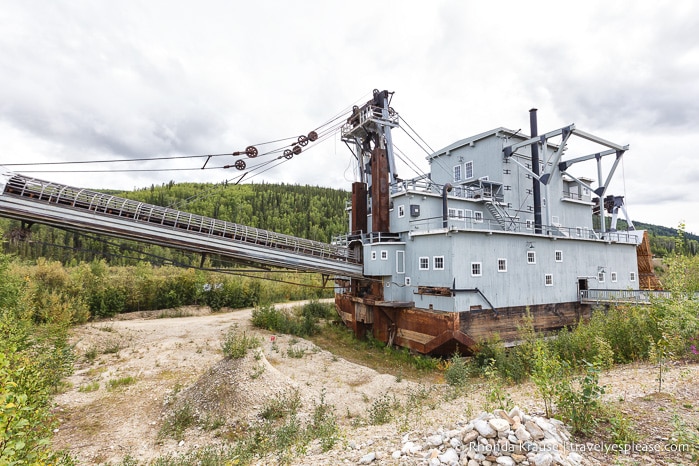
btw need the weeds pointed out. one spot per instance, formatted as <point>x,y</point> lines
<point>381,410</point>
<point>91,387</point>
<point>113,384</point>
<point>236,343</point>
<point>177,422</point>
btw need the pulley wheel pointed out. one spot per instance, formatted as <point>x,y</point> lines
<point>288,154</point>
<point>240,164</point>
<point>251,152</point>
<point>312,136</point>
<point>297,150</point>
<point>303,140</point>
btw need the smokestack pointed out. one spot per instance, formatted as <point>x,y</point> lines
<point>534,130</point>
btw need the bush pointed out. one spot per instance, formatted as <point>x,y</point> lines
<point>458,371</point>
<point>236,344</point>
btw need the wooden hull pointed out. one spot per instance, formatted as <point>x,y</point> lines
<point>443,333</point>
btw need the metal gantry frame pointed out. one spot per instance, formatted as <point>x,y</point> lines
<point>563,166</point>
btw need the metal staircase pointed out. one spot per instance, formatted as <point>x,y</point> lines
<point>501,216</point>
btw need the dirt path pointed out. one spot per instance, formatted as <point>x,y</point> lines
<point>130,372</point>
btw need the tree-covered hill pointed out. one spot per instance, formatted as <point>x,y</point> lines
<point>306,211</point>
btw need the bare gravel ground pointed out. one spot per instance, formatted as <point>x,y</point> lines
<point>132,371</point>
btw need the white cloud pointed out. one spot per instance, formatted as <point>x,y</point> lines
<point>85,81</point>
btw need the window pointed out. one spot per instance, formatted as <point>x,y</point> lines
<point>502,265</point>
<point>457,172</point>
<point>438,263</point>
<point>456,213</point>
<point>578,232</point>
<point>373,255</point>
<point>468,170</point>
<point>613,277</point>
<point>476,269</point>
<point>424,263</point>
<point>632,276</point>
<point>401,211</point>
<point>531,257</point>
<point>529,224</point>
<point>600,276</point>
<point>548,279</point>
<point>384,255</point>
<point>400,261</point>
<point>559,256</point>
<point>478,216</point>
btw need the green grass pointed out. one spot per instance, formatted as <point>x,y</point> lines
<point>113,384</point>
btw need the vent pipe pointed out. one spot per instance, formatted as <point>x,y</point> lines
<point>536,188</point>
<point>445,210</point>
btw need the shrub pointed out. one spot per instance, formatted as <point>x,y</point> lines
<point>578,399</point>
<point>458,371</point>
<point>236,343</point>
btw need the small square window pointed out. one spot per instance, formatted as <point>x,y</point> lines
<point>613,277</point>
<point>424,263</point>
<point>478,216</point>
<point>476,269</point>
<point>632,276</point>
<point>559,256</point>
<point>438,262</point>
<point>531,257</point>
<point>401,211</point>
<point>529,224</point>
<point>600,276</point>
<point>384,255</point>
<point>502,265</point>
<point>548,279</point>
<point>373,255</point>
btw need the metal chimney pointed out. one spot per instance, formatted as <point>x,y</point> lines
<point>536,188</point>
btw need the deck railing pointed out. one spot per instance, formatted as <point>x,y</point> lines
<point>621,296</point>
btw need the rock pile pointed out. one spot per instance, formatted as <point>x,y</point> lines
<point>495,439</point>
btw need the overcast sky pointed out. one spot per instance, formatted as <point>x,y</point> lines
<point>95,80</point>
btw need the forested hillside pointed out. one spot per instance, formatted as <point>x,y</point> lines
<point>306,211</point>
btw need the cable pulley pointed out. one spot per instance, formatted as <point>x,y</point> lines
<point>303,140</point>
<point>297,150</point>
<point>240,164</point>
<point>251,151</point>
<point>288,154</point>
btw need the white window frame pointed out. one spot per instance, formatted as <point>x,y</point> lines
<point>601,276</point>
<point>384,255</point>
<point>632,276</point>
<point>468,166</point>
<point>529,224</point>
<point>457,173</point>
<point>423,263</point>
<point>407,281</point>
<point>401,211</point>
<point>435,261</point>
<point>478,271</point>
<point>502,261</point>
<point>531,257</point>
<point>373,255</point>
<point>478,216</point>
<point>400,262</point>
<point>613,277</point>
<point>558,255</point>
<point>548,279</point>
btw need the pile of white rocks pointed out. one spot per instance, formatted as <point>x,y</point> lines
<point>495,439</point>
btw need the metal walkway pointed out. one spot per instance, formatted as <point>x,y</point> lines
<point>38,201</point>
